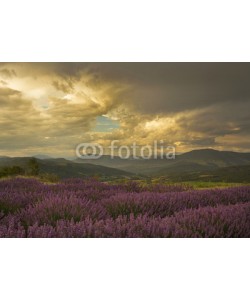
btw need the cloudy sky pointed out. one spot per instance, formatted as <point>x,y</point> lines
<point>49,108</point>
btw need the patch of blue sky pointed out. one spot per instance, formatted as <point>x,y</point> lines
<point>105,124</point>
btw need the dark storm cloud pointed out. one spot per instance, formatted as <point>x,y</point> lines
<point>193,104</point>
<point>173,87</point>
<point>168,87</point>
<point>160,87</point>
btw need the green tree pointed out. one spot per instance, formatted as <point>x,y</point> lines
<point>11,171</point>
<point>33,167</point>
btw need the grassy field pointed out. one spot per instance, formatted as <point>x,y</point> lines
<point>205,185</point>
<point>192,184</point>
<point>50,178</point>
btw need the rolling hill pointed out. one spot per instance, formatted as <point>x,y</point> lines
<point>64,168</point>
<point>203,165</point>
<point>236,174</point>
<point>193,161</point>
<point>205,160</point>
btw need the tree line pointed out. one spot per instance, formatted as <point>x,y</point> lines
<point>32,169</point>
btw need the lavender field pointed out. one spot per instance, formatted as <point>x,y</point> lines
<point>88,208</point>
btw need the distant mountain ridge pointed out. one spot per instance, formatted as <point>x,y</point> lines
<point>196,164</point>
<point>195,160</point>
<point>206,159</point>
<point>42,156</point>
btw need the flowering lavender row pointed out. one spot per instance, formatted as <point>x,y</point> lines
<point>224,221</point>
<point>166,204</point>
<point>20,192</point>
<point>88,208</point>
